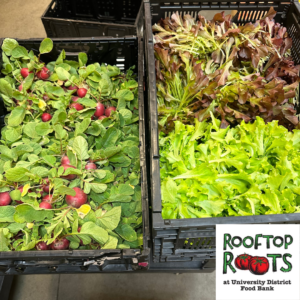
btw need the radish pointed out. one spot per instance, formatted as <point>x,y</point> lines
<point>79,199</point>
<point>75,98</point>
<point>70,176</point>
<point>109,110</point>
<point>81,92</point>
<point>102,117</point>
<point>65,160</point>
<point>100,110</point>
<point>45,205</point>
<point>41,246</point>
<point>47,198</point>
<point>60,244</point>
<point>25,72</point>
<point>46,117</point>
<point>72,88</point>
<point>5,199</point>
<point>46,186</point>
<point>77,106</point>
<point>90,166</point>
<point>43,74</point>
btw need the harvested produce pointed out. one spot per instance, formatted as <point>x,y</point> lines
<point>226,113</point>
<point>235,72</point>
<point>5,199</point>
<point>209,171</point>
<point>67,179</point>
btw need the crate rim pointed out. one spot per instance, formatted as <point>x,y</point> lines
<point>160,223</point>
<point>94,21</point>
<point>89,22</point>
<point>123,253</point>
<point>78,39</point>
<point>250,4</point>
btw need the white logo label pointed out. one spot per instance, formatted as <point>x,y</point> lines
<point>257,262</point>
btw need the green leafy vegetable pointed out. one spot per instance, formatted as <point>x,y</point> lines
<point>252,169</point>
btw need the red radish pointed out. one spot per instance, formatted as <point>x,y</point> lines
<point>46,97</point>
<point>60,244</point>
<point>100,110</point>
<point>65,160</point>
<point>70,176</point>
<point>77,106</point>
<point>45,205</point>
<point>41,246</point>
<point>25,72</point>
<point>46,117</point>
<point>47,198</point>
<point>5,199</point>
<point>46,186</point>
<point>81,92</point>
<point>21,190</point>
<point>46,189</point>
<point>102,117</point>
<point>90,166</point>
<point>109,110</point>
<point>79,199</point>
<point>75,98</point>
<point>72,88</point>
<point>43,74</point>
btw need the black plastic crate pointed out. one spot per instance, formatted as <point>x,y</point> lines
<point>194,239</point>
<point>123,52</point>
<point>197,265</point>
<point>115,10</point>
<point>60,21</point>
